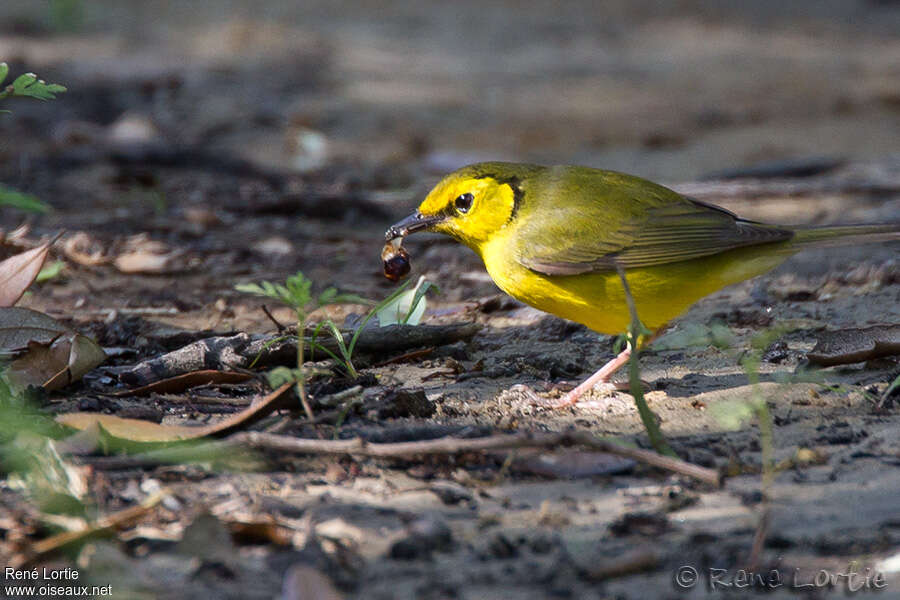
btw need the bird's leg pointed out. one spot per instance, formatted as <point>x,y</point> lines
<point>604,375</point>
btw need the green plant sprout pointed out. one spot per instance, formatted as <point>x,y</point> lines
<point>883,400</point>
<point>50,271</point>
<point>296,294</point>
<point>402,307</point>
<point>26,85</point>
<point>636,330</point>
<point>29,459</point>
<point>14,199</point>
<point>66,15</point>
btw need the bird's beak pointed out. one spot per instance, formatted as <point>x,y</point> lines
<point>411,224</point>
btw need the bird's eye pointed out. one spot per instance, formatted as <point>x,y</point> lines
<point>463,202</point>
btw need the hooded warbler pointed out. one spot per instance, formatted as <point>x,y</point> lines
<point>556,238</point>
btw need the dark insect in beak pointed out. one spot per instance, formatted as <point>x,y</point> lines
<point>395,259</point>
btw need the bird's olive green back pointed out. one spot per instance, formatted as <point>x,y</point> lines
<point>577,220</point>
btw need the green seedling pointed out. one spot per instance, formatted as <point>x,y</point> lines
<point>636,331</point>
<point>28,86</point>
<point>66,15</point>
<point>50,271</point>
<point>296,293</point>
<point>27,202</point>
<point>402,307</point>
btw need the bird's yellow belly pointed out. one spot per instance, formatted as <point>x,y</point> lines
<point>597,300</point>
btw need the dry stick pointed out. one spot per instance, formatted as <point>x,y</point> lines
<point>452,445</point>
<point>322,417</point>
<point>278,326</point>
<point>634,561</point>
<point>406,356</point>
<point>103,525</point>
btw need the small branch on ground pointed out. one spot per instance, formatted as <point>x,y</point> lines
<point>452,445</point>
<point>278,326</point>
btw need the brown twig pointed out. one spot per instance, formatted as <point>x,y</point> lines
<point>323,417</point>
<point>278,325</point>
<point>406,356</point>
<point>635,561</point>
<point>102,526</point>
<point>452,445</point>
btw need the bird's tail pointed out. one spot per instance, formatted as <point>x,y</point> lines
<point>842,235</point>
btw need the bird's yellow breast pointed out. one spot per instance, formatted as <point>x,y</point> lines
<point>597,300</point>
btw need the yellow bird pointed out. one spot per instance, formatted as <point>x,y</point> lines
<point>555,238</point>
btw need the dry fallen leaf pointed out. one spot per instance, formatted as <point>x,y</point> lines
<point>144,255</point>
<point>47,353</point>
<point>136,430</point>
<point>19,271</point>
<point>143,262</point>
<point>848,346</point>
<point>259,532</point>
<point>179,383</point>
<point>85,250</point>
<point>18,326</point>
<point>57,364</point>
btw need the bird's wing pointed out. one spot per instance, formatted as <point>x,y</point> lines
<point>666,229</point>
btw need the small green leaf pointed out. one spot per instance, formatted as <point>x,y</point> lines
<point>327,296</point>
<point>4,71</point>
<point>249,288</point>
<point>331,296</point>
<point>29,85</point>
<point>10,197</point>
<point>50,271</point>
<point>297,291</point>
<point>890,389</point>
<point>281,375</point>
<point>21,83</point>
<point>732,414</point>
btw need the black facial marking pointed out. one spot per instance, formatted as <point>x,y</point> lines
<point>518,196</point>
<point>515,184</point>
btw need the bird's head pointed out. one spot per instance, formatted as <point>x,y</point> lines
<point>470,204</point>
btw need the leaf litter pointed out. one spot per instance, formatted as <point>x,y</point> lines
<point>504,544</point>
<point>19,271</point>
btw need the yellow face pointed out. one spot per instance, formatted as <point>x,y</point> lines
<point>470,209</point>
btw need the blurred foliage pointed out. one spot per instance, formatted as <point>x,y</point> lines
<point>12,198</point>
<point>28,85</point>
<point>66,15</point>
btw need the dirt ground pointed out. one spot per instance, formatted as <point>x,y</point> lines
<point>248,141</point>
